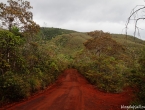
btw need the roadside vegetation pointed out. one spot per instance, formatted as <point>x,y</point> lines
<point>25,64</point>
<point>108,65</point>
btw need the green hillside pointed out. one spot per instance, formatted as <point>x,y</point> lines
<point>122,38</point>
<point>71,42</point>
<point>48,32</point>
<point>133,44</point>
<point>66,44</point>
<point>65,47</point>
<point>129,40</point>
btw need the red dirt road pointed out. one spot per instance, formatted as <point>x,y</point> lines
<point>72,92</point>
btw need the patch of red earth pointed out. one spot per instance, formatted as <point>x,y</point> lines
<point>72,92</point>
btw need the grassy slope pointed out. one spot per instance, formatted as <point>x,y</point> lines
<point>135,45</point>
<point>129,41</point>
<point>66,43</point>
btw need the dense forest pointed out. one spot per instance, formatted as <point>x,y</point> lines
<point>32,57</point>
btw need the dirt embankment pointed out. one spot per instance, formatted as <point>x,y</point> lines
<point>72,92</point>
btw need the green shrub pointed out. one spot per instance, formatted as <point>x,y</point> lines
<point>35,84</point>
<point>106,73</point>
<point>13,87</point>
<point>109,83</point>
<point>138,79</point>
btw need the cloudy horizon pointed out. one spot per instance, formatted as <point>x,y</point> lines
<point>85,15</point>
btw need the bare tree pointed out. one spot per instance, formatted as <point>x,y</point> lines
<point>137,14</point>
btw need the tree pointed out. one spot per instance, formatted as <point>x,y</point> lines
<point>136,15</point>
<point>17,13</point>
<point>103,44</point>
<point>9,44</point>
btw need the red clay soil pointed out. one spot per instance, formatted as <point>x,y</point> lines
<point>72,92</point>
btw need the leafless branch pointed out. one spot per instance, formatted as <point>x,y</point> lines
<point>136,27</point>
<point>136,18</point>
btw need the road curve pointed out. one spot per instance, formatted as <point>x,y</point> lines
<point>72,92</point>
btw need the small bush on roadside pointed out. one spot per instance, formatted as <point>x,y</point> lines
<point>13,87</point>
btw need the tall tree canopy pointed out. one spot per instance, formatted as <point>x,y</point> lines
<point>17,13</point>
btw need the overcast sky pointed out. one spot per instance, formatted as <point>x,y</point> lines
<point>85,15</point>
